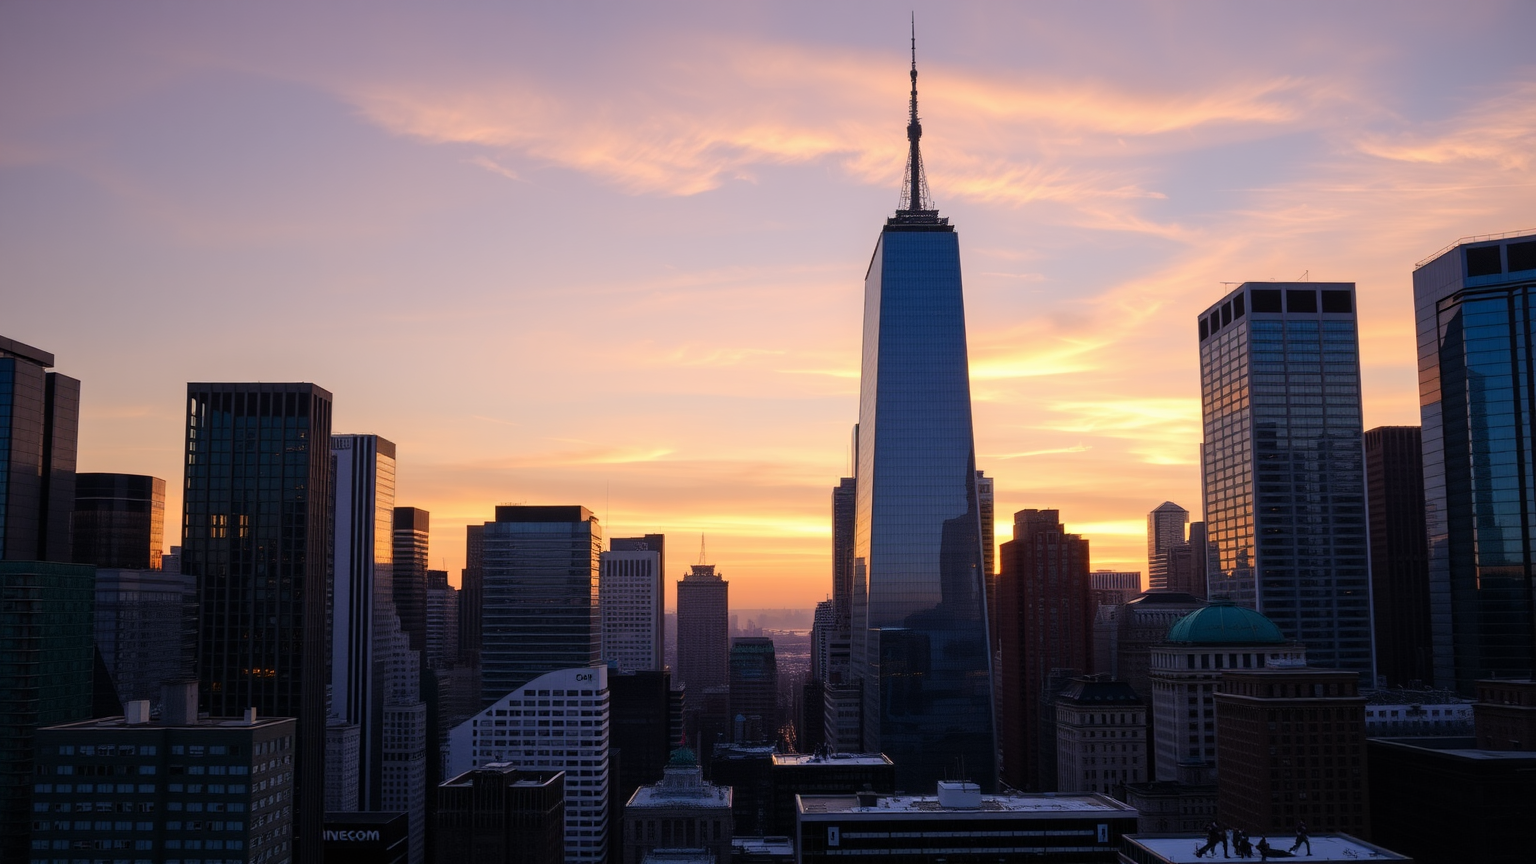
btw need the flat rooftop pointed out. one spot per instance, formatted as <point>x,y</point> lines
<point>708,796</point>
<point>206,723</point>
<point>1462,747</point>
<point>831,759</point>
<point>1180,848</point>
<point>927,806</point>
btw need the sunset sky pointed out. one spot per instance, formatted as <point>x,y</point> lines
<point>613,254</point>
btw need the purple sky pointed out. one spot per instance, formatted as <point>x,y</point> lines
<point>613,254</point>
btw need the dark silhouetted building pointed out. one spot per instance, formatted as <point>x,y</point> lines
<point>181,786</point>
<point>754,690</point>
<point>39,433</point>
<point>1472,303</point>
<point>1504,716</point>
<point>745,768</point>
<point>1290,748</point>
<point>1046,622</point>
<point>703,629</point>
<point>46,665</point>
<point>1138,626</point>
<point>442,621</point>
<point>501,814</point>
<point>1446,801</point>
<point>412,531</point>
<point>919,646</point>
<point>1284,473</point>
<point>472,594</point>
<point>256,536</point>
<point>119,520</point>
<point>960,824</point>
<point>540,610</point>
<point>1394,485</point>
<point>369,837</point>
<point>642,734</point>
<point>844,510</point>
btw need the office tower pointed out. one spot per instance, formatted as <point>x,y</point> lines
<point>343,766</point>
<point>630,594</point>
<point>1394,489</point>
<point>754,690</point>
<point>703,603</point>
<point>1284,472</point>
<point>1046,624</point>
<point>960,824</point>
<point>367,838</point>
<point>218,788</point>
<point>501,814</point>
<point>38,438</point>
<point>844,509</point>
<point>509,730</point>
<point>1202,562</point>
<point>1101,736</point>
<point>1182,571</point>
<point>1268,778</point>
<point>442,621</point>
<point>45,674</point>
<point>472,594</point>
<point>641,735</point>
<point>119,520</point>
<point>1473,307</point>
<point>363,609</point>
<point>146,629</point>
<point>680,812</point>
<point>920,646</point>
<point>540,612</point>
<point>792,774</point>
<point>1165,529</point>
<point>256,520</point>
<point>404,742</point>
<point>412,528</point>
<point>1186,668</point>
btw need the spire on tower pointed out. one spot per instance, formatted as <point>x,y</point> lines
<point>916,204</point>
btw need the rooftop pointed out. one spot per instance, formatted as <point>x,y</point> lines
<point>1462,747</point>
<point>831,759</point>
<point>1180,848</point>
<point>206,723</point>
<point>1225,623</point>
<point>927,806</point>
<point>763,845</point>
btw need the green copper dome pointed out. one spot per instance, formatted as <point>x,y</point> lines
<point>683,757</point>
<point>1225,623</point>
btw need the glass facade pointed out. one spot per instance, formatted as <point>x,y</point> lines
<point>255,534</point>
<point>39,420</point>
<point>119,520</point>
<point>919,629</point>
<point>1283,464</point>
<point>1477,384</point>
<point>541,570</point>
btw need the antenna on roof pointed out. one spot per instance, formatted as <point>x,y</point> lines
<point>1306,276</point>
<point>701,548</point>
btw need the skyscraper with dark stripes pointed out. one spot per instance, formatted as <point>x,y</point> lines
<point>256,528</point>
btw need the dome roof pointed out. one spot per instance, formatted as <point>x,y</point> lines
<point>1225,623</point>
<point>683,757</point>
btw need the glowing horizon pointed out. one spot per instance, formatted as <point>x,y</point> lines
<point>616,259</point>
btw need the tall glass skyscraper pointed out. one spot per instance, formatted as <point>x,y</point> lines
<point>1477,385</point>
<point>256,513</point>
<point>39,421</point>
<point>919,638</point>
<point>541,567</point>
<point>1283,459</point>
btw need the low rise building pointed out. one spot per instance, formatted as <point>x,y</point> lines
<point>1101,736</point>
<point>960,824</point>
<point>1401,713</point>
<point>762,850</point>
<point>1169,806</point>
<point>1506,715</point>
<point>682,812</point>
<point>1446,801</point>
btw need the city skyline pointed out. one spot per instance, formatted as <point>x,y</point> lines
<point>1105,190</point>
